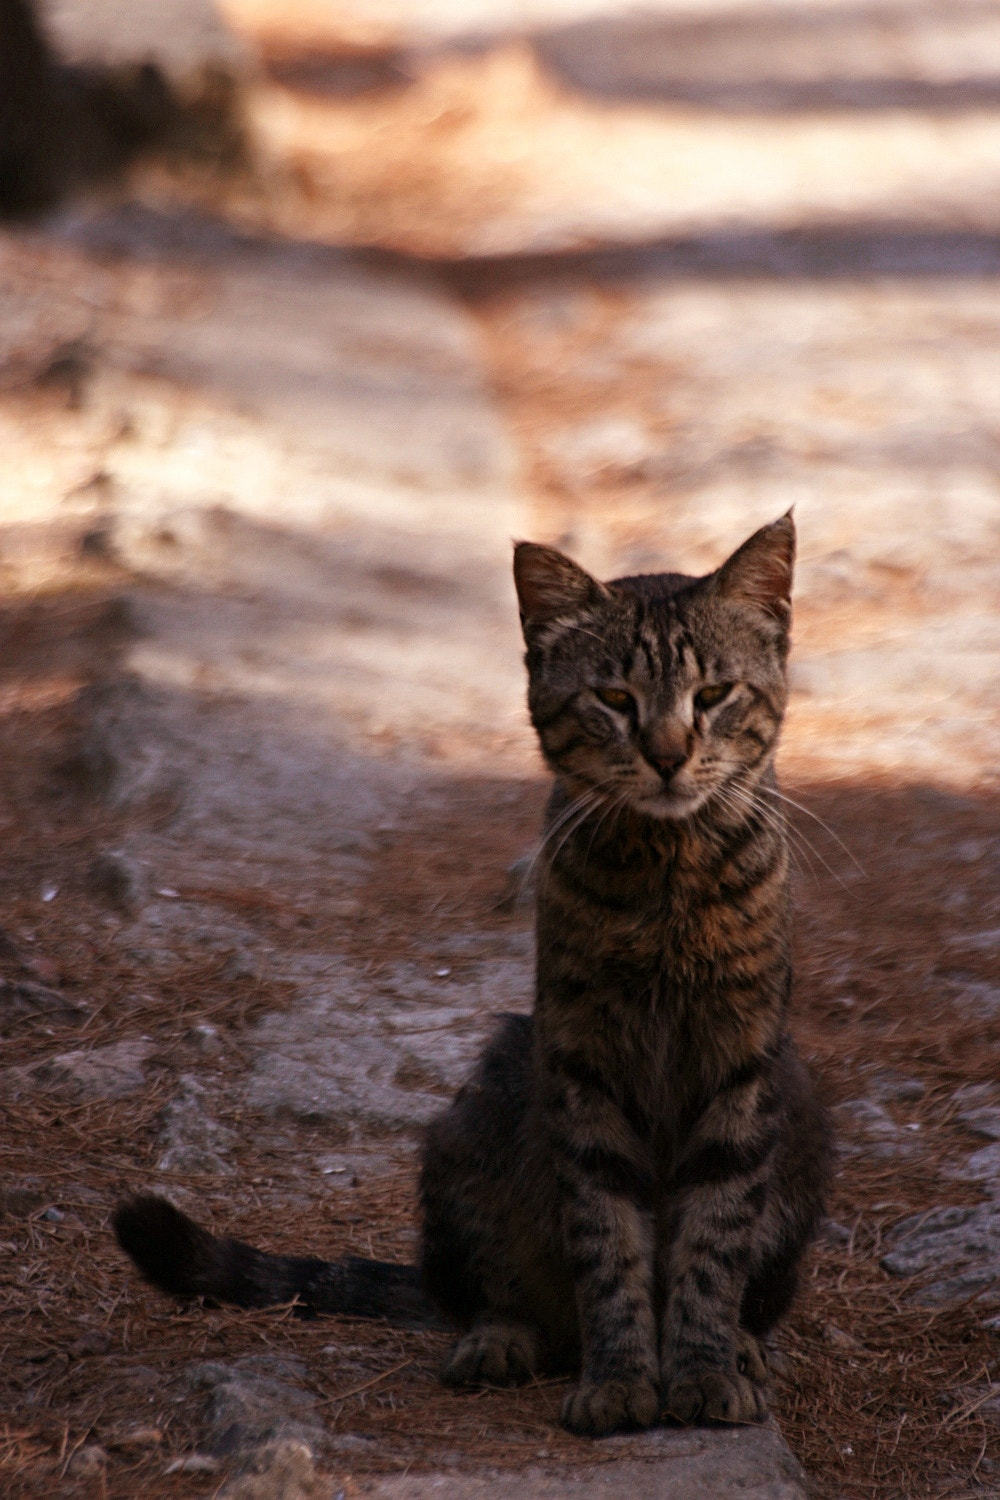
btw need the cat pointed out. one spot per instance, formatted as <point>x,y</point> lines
<point>626,1185</point>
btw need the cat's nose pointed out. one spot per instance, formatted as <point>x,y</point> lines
<point>666,749</point>
<point>666,762</point>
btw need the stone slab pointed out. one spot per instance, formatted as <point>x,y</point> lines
<point>961,1244</point>
<point>92,1073</point>
<point>753,1462</point>
<point>388,1053</point>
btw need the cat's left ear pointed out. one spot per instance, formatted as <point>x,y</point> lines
<point>760,572</point>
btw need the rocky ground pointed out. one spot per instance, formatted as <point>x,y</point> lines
<point>270,795</point>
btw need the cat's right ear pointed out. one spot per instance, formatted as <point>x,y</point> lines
<point>550,585</point>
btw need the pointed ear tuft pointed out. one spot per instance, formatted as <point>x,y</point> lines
<point>550,584</point>
<point>760,572</point>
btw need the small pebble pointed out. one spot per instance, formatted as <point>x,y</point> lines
<point>195,1463</point>
<point>832,1233</point>
<point>52,1216</point>
<point>43,969</point>
<point>87,1460</point>
<point>97,1341</point>
<point>838,1338</point>
<point>205,1038</point>
<point>139,1437</point>
<point>119,880</point>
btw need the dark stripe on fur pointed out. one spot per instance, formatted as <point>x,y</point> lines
<point>612,1172</point>
<point>575,1067</point>
<point>720,1161</point>
<point>748,1072</point>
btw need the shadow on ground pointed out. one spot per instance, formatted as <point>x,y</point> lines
<point>895,891</point>
<point>793,59</point>
<point>736,61</point>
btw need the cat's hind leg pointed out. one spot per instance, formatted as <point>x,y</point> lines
<point>750,1358</point>
<point>473,1195</point>
<point>493,1353</point>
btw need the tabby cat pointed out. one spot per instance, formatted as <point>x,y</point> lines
<point>626,1185</point>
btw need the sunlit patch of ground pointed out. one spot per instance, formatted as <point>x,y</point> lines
<point>451,136</point>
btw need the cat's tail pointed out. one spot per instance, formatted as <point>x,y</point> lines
<point>181,1258</point>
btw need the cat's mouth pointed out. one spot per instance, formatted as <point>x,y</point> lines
<point>670,798</point>
<point>669,804</point>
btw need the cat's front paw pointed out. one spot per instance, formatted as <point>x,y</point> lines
<point>750,1357</point>
<point>714,1396</point>
<point>596,1408</point>
<point>493,1354</point>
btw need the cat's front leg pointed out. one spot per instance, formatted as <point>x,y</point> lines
<point>720,1193</point>
<point>609,1245</point>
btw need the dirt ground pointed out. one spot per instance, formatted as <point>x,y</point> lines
<point>266,764</point>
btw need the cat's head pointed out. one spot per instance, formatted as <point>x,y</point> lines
<point>659,691</point>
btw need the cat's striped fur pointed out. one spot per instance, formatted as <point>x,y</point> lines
<point>627,1183</point>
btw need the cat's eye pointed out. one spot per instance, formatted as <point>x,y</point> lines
<point>709,696</point>
<point>616,698</point>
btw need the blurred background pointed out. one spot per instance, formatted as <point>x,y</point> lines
<point>306,310</point>
<point>699,262</point>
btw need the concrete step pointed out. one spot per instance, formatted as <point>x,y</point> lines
<point>752,1462</point>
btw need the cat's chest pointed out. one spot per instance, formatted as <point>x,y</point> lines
<point>666,980</point>
<point>647,927</point>
<point>628,1050</point>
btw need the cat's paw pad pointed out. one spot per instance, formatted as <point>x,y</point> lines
<point>595,1409</point>
<point>492,1355</point>
<point>715,1396</point>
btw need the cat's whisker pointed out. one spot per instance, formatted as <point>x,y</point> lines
<point>798,849</point>
<point>584,631</point>
<point>795,836</point>
<point>739,799</point>
<point>586,802</point>
<point>773,791</point>
<point>745,811</point>
<point>742,799</point>
<point>613,807</point>
<point>597,796</point>
<point>574,827</point>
